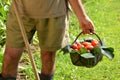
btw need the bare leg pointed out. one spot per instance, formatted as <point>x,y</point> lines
<point>10,61</point>
<point>48,62</point>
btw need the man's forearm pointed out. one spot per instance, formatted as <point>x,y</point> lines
<point>86,24</point>
<point>78,8</point>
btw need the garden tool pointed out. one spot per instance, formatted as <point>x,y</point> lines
<point>25,39</point>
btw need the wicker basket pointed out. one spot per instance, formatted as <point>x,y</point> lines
<point>79,60</point>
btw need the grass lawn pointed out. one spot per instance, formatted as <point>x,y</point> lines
<point>106,17</point>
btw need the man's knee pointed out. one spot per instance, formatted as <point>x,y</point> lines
<point>13,53</point>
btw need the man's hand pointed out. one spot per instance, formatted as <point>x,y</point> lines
<point>87,25</point>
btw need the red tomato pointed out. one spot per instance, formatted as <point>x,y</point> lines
<point>79,45</point>
<point>86,43</point>
<point>89,47</point>
<point>74,46</point>
<point>94,43</point>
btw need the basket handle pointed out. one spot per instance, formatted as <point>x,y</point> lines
<point>91,33</point>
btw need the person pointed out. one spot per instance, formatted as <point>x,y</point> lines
<point>47,18</point>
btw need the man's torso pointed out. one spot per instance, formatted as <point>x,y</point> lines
<point>41,8</point>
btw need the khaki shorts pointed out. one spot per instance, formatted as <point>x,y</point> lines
<point>52,32</point>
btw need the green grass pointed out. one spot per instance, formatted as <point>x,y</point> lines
<point>106,17</point>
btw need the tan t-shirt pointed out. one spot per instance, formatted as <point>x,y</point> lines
<point>41,8</point>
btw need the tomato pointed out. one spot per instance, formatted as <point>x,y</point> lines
<point>79,45</point>
<point>86,43</point>
<point>74,46</point>
<point>89,47</point>
<point>94,42</point>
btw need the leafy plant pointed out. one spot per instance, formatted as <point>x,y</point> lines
<point>4,8</point>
